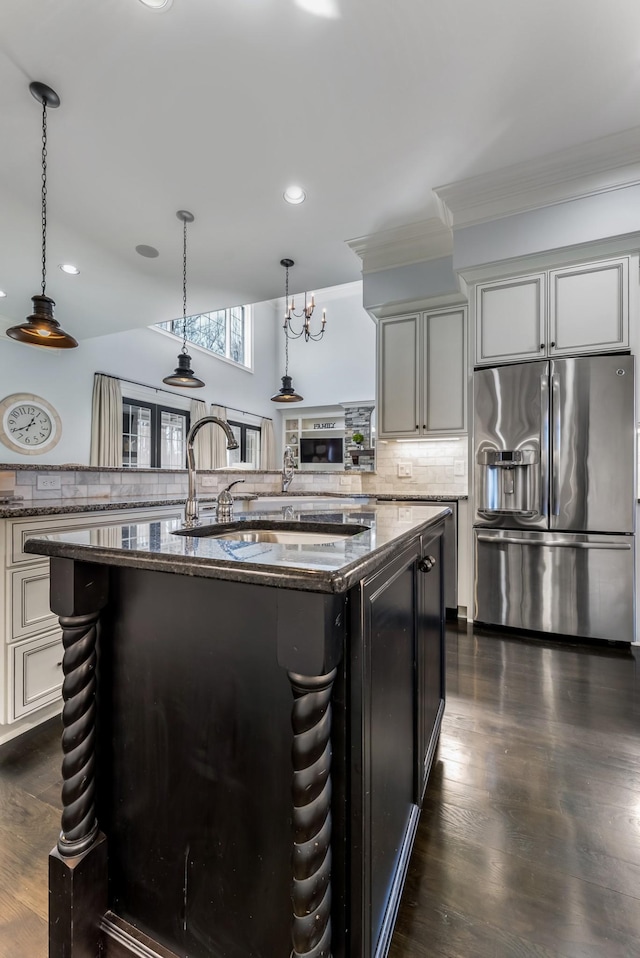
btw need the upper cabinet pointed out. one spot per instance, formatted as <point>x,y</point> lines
<point>582,309</point>
<point>422,374</point>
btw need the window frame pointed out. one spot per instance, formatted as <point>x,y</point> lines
<point>156,434</point>
<point>244,427</point>
<point>247,314</point>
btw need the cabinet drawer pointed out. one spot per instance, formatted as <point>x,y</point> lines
<point>30,610</point>
<point>36,672</point>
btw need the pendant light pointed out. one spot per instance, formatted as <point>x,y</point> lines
<point>41,329</point>
<point>286,393</point>
<point>183,375</point>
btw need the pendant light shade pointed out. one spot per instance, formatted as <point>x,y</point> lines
<point>183,375</point>
<point>41,329</point>
<point>286,393</point>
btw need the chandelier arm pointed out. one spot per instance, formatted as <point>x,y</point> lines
<point>290,332</point>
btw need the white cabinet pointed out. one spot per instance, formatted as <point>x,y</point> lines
<point>582,309</point>
<point>31,653</point>
<point>422,374</point>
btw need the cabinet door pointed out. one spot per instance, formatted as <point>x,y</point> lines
<point>383,749</point>
<point>398,384</point>
<point>35,674</point>
<point>589,308</point>
<point>510,320</point>
<point>30,609</point>
<point>429,655</point>
<point>444,379</point>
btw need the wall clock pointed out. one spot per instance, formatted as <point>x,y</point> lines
<point>28,424</point>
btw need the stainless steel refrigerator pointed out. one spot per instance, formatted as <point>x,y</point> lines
<point>555,496</point>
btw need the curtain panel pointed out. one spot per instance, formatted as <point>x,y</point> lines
<point>219,457</point>
<point>106,422</point>
<point>267,445</point>
<point>203,446</point>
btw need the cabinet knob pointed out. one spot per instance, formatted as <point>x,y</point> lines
<point>541,345</point>
<point>427,564</point>
<point>553,345</point>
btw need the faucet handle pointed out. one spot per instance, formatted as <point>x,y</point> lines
<point>230,486</point>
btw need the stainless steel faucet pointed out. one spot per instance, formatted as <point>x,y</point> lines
<point>288,469</point>
<point>191,505</point>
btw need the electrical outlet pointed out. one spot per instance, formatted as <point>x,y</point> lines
<point>344,480</point>
<point>208,481</point>
<point>458,467</point>
<point>405,514</point>
<point>405,470</point>
<point>47,482</point>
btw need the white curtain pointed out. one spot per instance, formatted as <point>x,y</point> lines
<point>267,445</point>
<point>203,446</point>
<point>219,439</point>
<point>106,422</point>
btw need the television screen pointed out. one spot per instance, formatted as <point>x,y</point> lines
<point>321,450</point>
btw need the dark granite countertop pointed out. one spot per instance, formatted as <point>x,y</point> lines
<point>60,507</point>
<point>328,567</point>
<point>24,508</point>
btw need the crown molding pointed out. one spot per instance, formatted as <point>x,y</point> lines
<point>403,245</point>
<point>598,166</point>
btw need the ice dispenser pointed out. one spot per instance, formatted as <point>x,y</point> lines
<point>508,482</point>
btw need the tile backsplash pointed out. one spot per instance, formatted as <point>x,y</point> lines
<point>432,467</point>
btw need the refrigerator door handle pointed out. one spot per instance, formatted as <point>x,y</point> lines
<point>556,444</point>
<point>557,544</point>
<point>544,445</point>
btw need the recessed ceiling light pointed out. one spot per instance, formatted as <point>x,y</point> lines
<point>69,268</point>
<point>2,293</point>
<point>159,6</point>
<point>149,251</point>
<point>295,195</point>
<point>320,8</point>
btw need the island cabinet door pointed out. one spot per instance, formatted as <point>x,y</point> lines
<point>430,663</point>
<point>383,748</point>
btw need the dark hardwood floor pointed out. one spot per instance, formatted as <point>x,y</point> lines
<point>529,842</point>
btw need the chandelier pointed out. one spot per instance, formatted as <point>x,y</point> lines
<point>305,315</point>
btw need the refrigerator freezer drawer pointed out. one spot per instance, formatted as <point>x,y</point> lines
<point>579,585</point>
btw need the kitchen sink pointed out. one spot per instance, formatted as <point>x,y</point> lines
<point>291,533</point>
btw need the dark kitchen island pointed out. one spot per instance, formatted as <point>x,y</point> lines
<point>248,730</point>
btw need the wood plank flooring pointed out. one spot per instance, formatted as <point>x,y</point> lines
<point>529,841</point>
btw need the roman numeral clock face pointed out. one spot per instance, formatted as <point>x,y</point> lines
<point>28,424</point>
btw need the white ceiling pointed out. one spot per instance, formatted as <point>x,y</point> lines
<point>217,107</point>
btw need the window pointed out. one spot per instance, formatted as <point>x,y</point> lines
<point>249,449</point>
<point>153,435</point>
<point>224,332</point>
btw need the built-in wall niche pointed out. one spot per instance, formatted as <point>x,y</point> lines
<point>321,439</point>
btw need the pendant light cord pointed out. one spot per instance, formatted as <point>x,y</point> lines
<point>286,309</point>
<point>184,286</point>
<point>44,194</point>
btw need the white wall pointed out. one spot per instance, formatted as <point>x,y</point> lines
<point>341,367</point>
<point>338,368</point>
<point>65,378</point>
